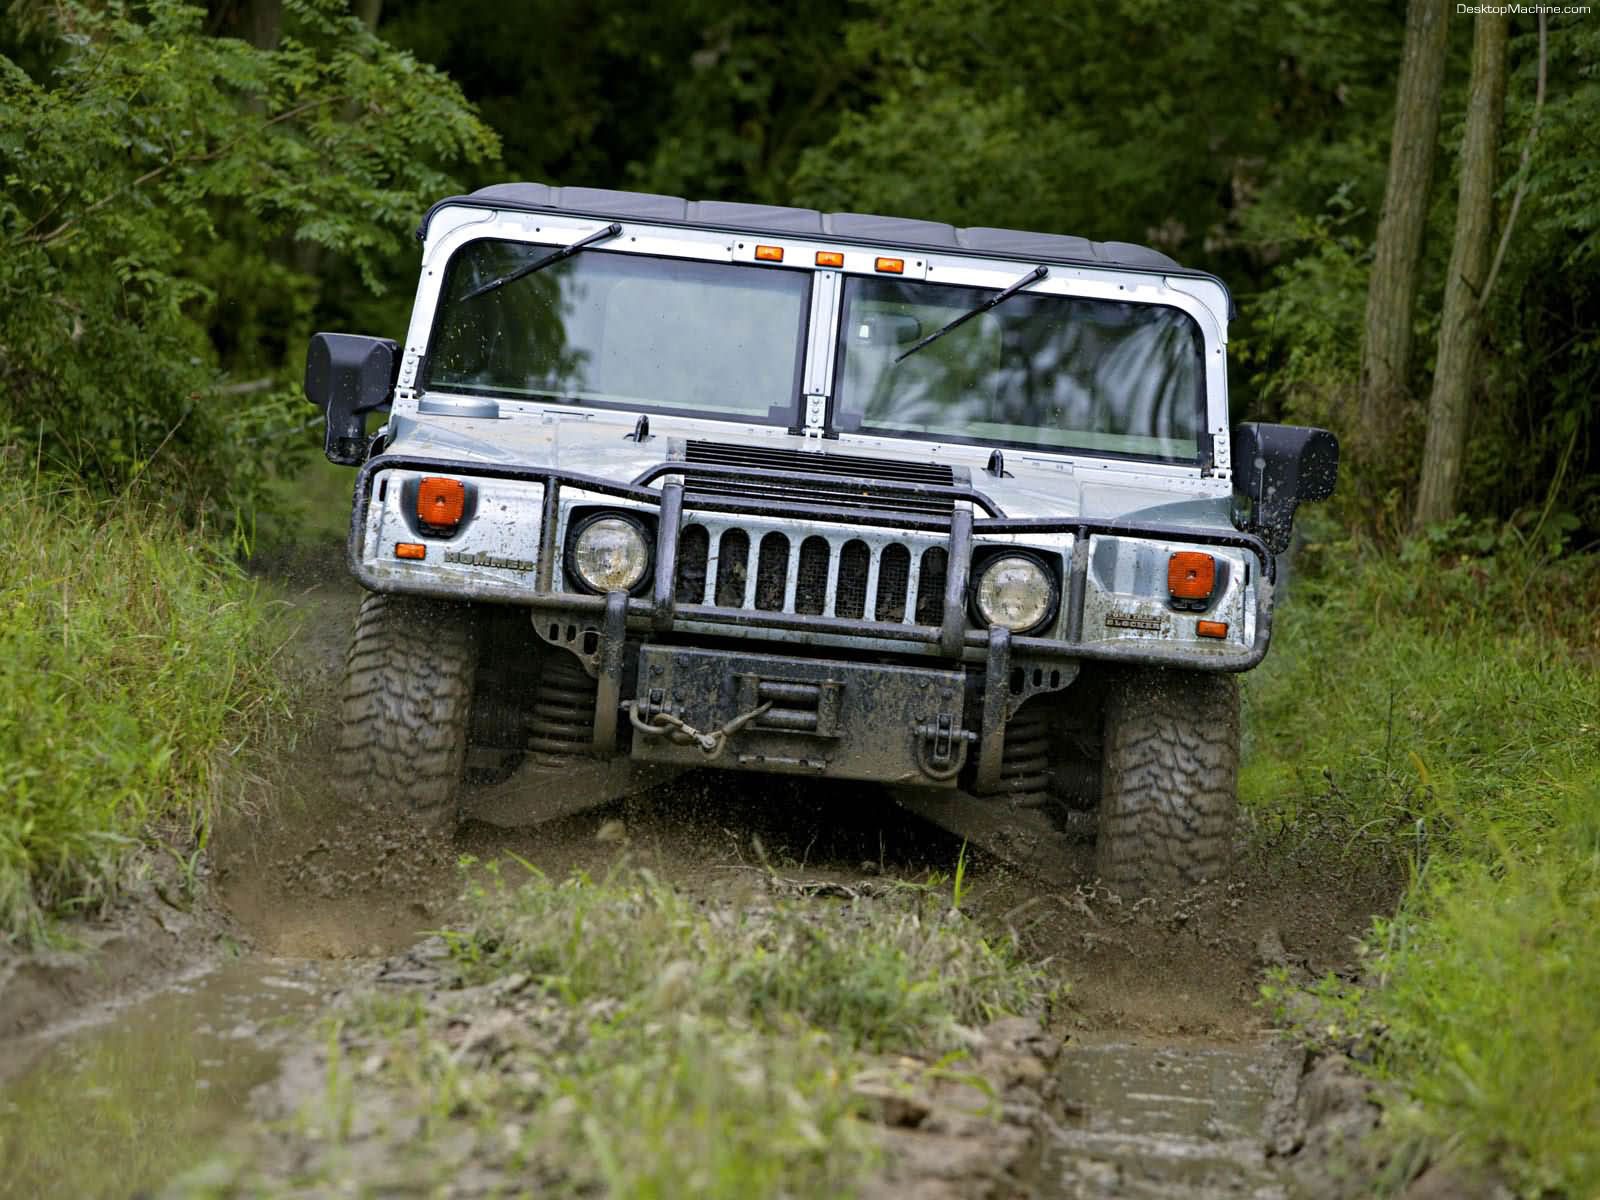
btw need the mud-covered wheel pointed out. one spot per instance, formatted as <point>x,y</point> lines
<point>1168,779</point>
<point>407,705</point>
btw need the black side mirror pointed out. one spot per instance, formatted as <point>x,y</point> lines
<point>1278,466</point>
<point>348,376</point>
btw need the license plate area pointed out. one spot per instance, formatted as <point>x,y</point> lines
<point>839,719</point>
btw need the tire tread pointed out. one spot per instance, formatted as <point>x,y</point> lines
<point>1169,779</point>
<point>405,705</point>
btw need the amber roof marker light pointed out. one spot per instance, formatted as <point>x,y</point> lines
<point>769,253</point>
<point>830,258</point>
<point>890,266</point>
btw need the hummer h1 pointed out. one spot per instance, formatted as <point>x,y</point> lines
<point>665,484</point>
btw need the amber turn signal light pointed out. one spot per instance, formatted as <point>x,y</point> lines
<point>1191,575</point>
<point>440,502</point>
<point>1214,629</point>
<point>410,550</point>
<point>769,253</point>
<point>830,258</point>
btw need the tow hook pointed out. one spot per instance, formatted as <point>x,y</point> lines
<point>941,748</point>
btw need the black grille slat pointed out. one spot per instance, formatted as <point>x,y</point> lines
<point>811,588</point>
<point>772,572</point>
<point>733,568</point>
<point>894,576</point>
<point>930,587</point>
<point>850,592</point>
<point>694,545</point>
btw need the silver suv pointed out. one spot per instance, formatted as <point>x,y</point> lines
<point>666,484</point>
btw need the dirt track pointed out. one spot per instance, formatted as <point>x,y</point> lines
<point>1160,991</point>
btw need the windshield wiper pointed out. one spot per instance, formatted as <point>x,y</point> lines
<point>1032,276</point>
<point>549,260</point>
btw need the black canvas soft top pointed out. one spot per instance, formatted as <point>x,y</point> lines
<point>808,222</point>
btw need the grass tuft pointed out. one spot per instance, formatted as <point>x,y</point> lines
<point>134,658</point>
<point>880,972</point>
<point>1442,709</point>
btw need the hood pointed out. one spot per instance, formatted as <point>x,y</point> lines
<point>600,443</point>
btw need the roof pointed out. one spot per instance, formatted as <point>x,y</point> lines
<point>808,222</point>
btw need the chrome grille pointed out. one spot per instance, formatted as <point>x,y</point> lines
<point>854,574</point>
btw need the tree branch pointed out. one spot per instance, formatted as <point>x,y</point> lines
<point>1522,171</point>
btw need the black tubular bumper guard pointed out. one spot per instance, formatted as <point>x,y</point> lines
<point>953,639</point>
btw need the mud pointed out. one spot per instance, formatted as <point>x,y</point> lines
<point>122,1106</point>
<point>161,927</point>
<point>1166,1119</point>
<point>1169,1083</point>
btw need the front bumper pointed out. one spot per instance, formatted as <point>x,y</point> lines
<point>889,723</point>
<point>514,557</point>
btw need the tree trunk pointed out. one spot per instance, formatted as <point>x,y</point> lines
<point>1461,322</point>
<point>1397,255</point>
<point>264,24</point>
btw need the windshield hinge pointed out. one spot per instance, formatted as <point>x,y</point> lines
<point>816,415</point>
<point>408,369</point>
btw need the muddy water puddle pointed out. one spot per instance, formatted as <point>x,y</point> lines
<point>116,1108</point>
<point>1164,1121</point>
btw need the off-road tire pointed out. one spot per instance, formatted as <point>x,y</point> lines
<point>407,706</point>
<point>1168,780</point>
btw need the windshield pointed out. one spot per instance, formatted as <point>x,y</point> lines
<point>1050,372</point>
<point>622,331</point>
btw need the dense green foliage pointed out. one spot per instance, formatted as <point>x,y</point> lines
<point>135,659</point>
<point>161,187</point>
<point>1444,710</point>
<point>1250,140</point>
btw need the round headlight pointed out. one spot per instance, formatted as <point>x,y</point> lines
<point>1015,592</point>
<point>610,554</point>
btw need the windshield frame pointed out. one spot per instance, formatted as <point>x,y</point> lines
<point>1041,289</point>
<point>734,238</point>
<point>785,416</point>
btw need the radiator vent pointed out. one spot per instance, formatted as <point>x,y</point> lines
<point>849,470</point>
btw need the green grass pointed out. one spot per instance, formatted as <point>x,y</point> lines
<point>907,969</point>
<point>1443,709</point>
<point>621,1038</point>
<point>135,660</point>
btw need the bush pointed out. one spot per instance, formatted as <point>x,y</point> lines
<point>167,194</point>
